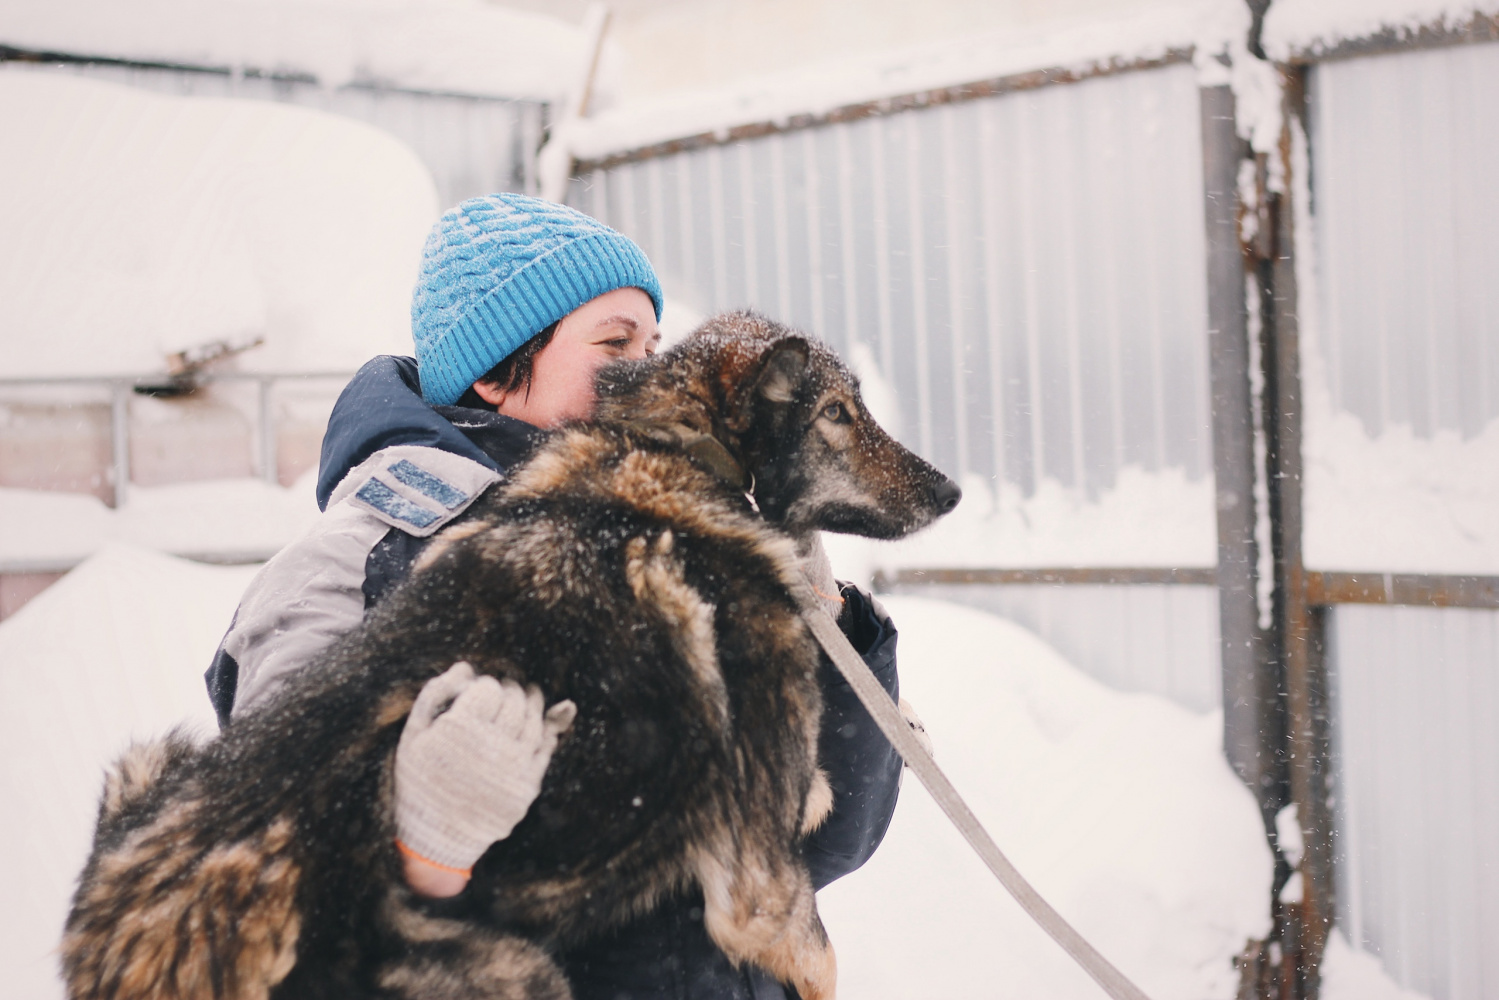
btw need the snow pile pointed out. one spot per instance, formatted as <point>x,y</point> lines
<point>1119,807</point>
<point>1309,26</point>
<point>243,518</point>
<point>114,651</point>
<point>137,224</point>
<point>1400,503</point>
<point>1076,41</point>
<point>462,46</point>
<point>1147,519</point>
<point>1397,503</point>
<point>1351,974</point>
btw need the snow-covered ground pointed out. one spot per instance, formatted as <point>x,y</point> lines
<point>1119,807</point>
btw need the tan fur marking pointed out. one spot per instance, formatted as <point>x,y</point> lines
<point>393,708</point>
<point>819,802</point>
<point>175,917</point>
<point>445,540</point>
<point>555,467</point>
<point>500,968</point>
<point>659,582</point>
<point>133,774</point>
<point>769,919</point>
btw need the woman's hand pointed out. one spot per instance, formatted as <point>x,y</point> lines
<point>469,765</point>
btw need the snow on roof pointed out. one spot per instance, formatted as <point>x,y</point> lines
<point>1310,26</point>
<point>1143,32</point>
<point>139,224</point>
<point>459,46</point>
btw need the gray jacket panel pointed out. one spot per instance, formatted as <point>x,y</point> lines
<point>311,592</point>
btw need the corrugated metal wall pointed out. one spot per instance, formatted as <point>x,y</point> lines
<point>1028,273</point>
<point>1405,150</point>
<point>1026,269</point>
<point>472,145</point>
<point>1416,699</point>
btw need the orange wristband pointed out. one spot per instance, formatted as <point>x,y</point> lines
<point>408,852</point>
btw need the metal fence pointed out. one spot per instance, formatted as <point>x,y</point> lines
<point>1407,235</point>
<point>1416,693</point>
<point>1025,269</point>
<point>1408,249</point>
<point>1056,283</point>
<point>118,392</point>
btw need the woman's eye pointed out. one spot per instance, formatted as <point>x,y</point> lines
<point>836,412</point>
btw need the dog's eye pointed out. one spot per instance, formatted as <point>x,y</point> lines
<point>837,413</point>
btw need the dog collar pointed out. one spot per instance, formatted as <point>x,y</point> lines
<point>705,449</point>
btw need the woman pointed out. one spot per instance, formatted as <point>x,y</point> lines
<point>519,303</point>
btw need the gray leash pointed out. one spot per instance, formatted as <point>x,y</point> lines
<point>887,716</point>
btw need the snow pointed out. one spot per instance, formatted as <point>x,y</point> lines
<point>139,224</point>
<point>1147,519</point>
<point>1310,26</point>
<point>1351,974</point>
<point>1400,503</point>
<point>114,651</point>
<point>1074,41</point>
<point>229,518</point>
<point>458,46</point>
<point>1397,503</point>
<point>1118,807</point>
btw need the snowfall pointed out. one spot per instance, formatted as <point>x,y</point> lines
<point>1119,807</point>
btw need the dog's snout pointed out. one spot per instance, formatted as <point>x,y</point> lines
<point>947,494</point>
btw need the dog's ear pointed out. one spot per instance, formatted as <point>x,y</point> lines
<point>775,377</point>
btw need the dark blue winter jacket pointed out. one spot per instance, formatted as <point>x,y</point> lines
<point>666,954</point>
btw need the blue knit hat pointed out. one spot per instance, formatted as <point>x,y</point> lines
<point>499,269</point>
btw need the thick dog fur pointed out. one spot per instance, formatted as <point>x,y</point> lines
<point>612,569</point>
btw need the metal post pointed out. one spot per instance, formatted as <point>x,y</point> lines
<point>1252,723</point>
<point>119,428</point>
<point>1298,626</point>
<point>268,456</point>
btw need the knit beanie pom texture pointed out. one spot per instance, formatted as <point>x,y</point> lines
<point>499,269</point>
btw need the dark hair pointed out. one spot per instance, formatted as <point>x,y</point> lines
<point>512,373</point>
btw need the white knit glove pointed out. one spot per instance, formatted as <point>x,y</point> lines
<point>819,572</point>
<point>470,764</point>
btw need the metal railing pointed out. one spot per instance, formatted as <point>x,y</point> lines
<point>119,389</point>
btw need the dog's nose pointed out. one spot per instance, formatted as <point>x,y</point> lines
<point>947,494</point>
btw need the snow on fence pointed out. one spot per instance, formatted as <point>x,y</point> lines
<point>1023,265</point>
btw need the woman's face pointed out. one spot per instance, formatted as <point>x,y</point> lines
<point>617,325</point>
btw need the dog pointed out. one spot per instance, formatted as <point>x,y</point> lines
<point>644,565</point>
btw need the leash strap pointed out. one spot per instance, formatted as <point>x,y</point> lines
<point>887,716</point>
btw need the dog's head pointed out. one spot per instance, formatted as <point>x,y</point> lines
<point>789,411</point>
